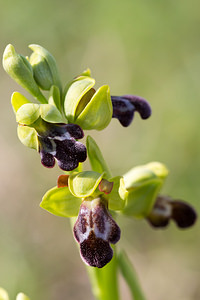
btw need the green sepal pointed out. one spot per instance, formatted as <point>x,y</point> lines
<point>28,136</point>
<point>84,184</point>
<point>19,69</point>
<point>143,184</point>
<point>28,113</point>
<point>116,198</point>
<point>142,174</point>
<point>3,294</point>
<point>140,200</point>
<point>44,67</point>
<point>97,161</point>
<point>54,97</point>
<point>50,113</point>
<point>22,296</point>
<point>97,114</point>
<point>17,100</point>
<point>60,202</point>
<point>78,88</point>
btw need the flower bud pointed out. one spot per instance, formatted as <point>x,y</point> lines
<point>44,68</point>
<point>3,294</point>
<point>19,68</point>
<point>22,296</point>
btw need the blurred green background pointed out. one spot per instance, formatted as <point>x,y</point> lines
<point>149,48</point>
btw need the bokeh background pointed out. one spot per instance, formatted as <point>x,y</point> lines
<point>149,48</point>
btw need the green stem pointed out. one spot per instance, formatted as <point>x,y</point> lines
<point>104,281</point>
<point>130,276</point>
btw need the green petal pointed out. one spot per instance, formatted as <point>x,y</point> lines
<point>97,161</point>
<point>28,136</point>
<point>17,100</point>
<point>76,91</point>
<point>60,202</point>
<point>50,113</point>
<point>3,294</point>
<point>116,199</point>
<point>97,114</point>
<point>22,296</point>
<point>28,113</point>
<point>54,97</point>
<point>84,184</point>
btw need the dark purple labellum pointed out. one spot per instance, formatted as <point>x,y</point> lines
<point>94,230</point>
<point>166,209</point>
<point>59,141</point>
<point>125,106</point>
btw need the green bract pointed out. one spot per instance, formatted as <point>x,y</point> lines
<point>86,107</point>
<point>143,184</point>
<point>119,192</point>
<point>97,161</point>
<point>44,68</point>
<point>19,68</point>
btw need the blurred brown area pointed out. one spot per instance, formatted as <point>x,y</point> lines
<point>148,48</point>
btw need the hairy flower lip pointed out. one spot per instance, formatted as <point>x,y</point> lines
<point>94,230</point>
<point>141,105</point>
<point>166,209</point>
<point>125,106</point>
<point>58,141</point>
